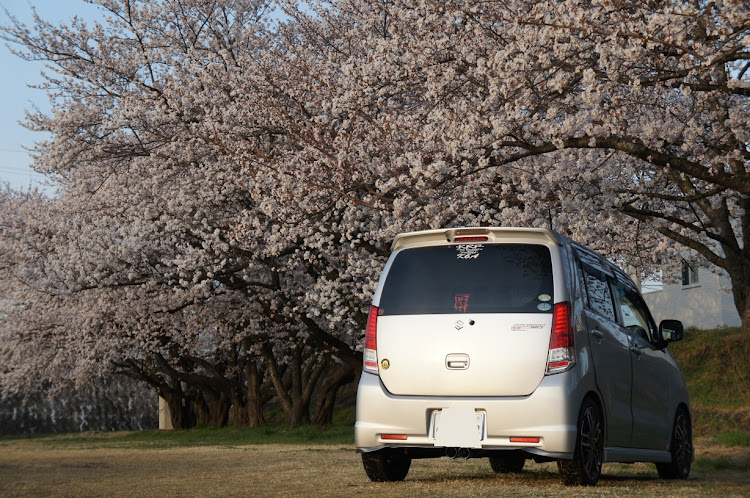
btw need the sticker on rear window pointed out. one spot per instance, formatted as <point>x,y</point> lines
<point>468,251</point>
<point>544,297</point>
<point>544,306</point>
<point>461,303</point>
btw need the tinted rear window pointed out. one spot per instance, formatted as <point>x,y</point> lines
<point>476,278</point>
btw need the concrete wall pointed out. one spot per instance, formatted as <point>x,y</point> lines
<point>165,417</point>
<point>704,305</point>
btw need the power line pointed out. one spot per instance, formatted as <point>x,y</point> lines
<point>18,169</point>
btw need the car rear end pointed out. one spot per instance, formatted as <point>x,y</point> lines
<point>469,347</point>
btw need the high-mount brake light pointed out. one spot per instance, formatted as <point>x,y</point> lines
<point>483,238</point>
<point>371,342</point>
<point>561,355</point>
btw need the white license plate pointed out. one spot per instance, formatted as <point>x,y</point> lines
<point>458,427</point>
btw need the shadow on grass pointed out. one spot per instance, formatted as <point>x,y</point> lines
<point>618,475</point>
<point>722,463</point>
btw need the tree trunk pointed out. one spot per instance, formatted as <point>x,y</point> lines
<point>327,393</point>
<point>198,405</point>
<point>302,376</point>
<point>255,400</point>
<point>300,412</point>
<point>218,405</point>
<point>180,410</point>
<point>248,401</point>
<point>278,382</point>
<point>210,407</point>
<point>745,317</point>
<point>741,294</point>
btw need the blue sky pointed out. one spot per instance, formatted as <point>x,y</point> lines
<point>15,95</point>
<point>16,75</point>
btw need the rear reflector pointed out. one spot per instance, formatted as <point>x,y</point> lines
<point>524,440</point>
<point>561,354</point>
<point>471,239</point>
<point>394,437</point>
<point>371,342</point>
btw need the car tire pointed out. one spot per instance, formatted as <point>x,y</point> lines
<point>510,462</point>
<point>383,466</point>
<point>681,448</point>
<point>586,466</point>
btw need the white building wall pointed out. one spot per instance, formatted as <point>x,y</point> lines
<point>704,305</point>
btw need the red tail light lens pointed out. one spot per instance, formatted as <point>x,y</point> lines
<point>524,439</point>
<point>394,437</point>
<point>561,355</point>
<point>371,342</point>
<point>562,331</point>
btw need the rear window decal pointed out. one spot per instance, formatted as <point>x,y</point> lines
<point>517,327</point>
<point>461,303</point>
<point>544,297</point>
<point>544,306</point>
<point>468,251</point>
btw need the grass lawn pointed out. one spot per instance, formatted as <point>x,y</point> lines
<point>718,381</point>
<point>118,465</point>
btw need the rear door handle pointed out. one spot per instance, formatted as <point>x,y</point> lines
<point>457,361</point>
<point>598,334</point>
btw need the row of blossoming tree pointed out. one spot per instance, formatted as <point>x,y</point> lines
<point>231,174</point>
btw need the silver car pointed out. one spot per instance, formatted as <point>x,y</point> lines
<point>516,344</point>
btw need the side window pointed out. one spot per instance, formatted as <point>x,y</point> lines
<point>598,293</point>
<point>635,315</point>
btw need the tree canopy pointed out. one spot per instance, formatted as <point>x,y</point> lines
<point>231,179</point>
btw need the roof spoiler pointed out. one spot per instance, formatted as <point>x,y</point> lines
<point>492,234</point>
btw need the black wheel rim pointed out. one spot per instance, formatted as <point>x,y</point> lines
<point>592,443</point>
<point>682,444</point>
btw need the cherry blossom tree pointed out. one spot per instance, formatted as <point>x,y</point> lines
<point>141,254</point>
<point>149,279</point>
<point>230,185</point>
<point>620,123</point>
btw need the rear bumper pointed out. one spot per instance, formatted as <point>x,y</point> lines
<point>549,413</point>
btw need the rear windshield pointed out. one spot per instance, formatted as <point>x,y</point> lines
<point>476,278</point>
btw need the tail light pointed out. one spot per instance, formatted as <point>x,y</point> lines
<point>371,342</point>
<point>561,355</point>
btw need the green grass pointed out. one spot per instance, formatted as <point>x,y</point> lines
<point>341,432</point>
<point>734,438</point>
<point>276,431</point>
<point>718,381</point>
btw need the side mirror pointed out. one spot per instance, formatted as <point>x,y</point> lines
<point>671,330</point>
